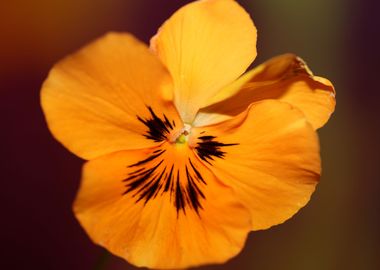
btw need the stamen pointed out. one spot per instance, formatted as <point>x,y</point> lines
<point>181,136</point>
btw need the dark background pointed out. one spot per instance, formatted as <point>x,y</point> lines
<point>339,39</point>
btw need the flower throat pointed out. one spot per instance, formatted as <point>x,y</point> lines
<point>169,168</point>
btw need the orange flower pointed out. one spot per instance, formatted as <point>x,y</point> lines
<point>186,157</point>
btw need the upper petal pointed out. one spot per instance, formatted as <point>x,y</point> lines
<point>285,77</point>
<point>92,99</point>
<point>205,45</point>
<point>270,157</point>
<point>151,208</point>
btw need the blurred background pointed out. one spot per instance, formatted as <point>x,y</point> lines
<point>340,40</point>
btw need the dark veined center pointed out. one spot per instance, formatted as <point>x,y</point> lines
<point>180,178</point>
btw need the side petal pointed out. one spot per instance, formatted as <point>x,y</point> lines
<point>154,232</point>
<point>205,45</point>
<point>286,78</point>
<point>92,98</point>
<point>270,156</point>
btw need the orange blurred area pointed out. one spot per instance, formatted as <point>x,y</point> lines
<point>339,40</point>
<point>33,32</point>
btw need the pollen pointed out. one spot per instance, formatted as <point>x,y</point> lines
<point>183,136</point>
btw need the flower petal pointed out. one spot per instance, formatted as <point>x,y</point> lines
<point>91,99</point>
<point>205,45</point>
<point>272,160</point>
<point>285,77</point>
<point>155,231</point>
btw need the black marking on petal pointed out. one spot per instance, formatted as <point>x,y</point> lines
<point>148,159</point>
<point>208,148</point>
<point>206,138</point>
<point>179,201</point>
<point>169,180</point>
<point>136,182</point>
<point>167,122</point>
<point>158,128</point>
<point>193,192</point>
<point>137,171</point>
<point>150,188</point>
<point>152,176</point>
<point>150,179</point>
<point>199,176</point>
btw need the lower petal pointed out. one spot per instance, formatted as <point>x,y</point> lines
<point>270,156</point>
<point>153,232</point>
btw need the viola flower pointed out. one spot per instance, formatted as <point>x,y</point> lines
<point>186,156</point>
